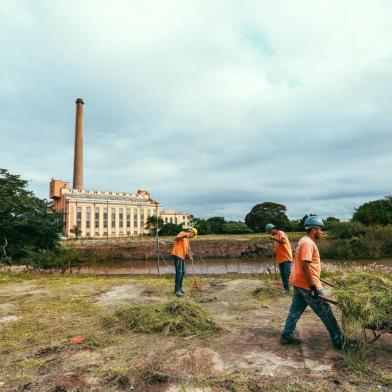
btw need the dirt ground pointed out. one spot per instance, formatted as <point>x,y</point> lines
<point>39,315</point>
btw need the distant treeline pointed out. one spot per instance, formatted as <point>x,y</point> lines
<point>29,230</point>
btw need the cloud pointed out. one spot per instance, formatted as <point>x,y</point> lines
<point>210,106</point>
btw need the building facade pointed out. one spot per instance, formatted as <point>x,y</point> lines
<point>107,214</point>
<point>178,218</point>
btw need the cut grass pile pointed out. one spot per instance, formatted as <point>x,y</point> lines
<point>183,318</point>
<point>365,301</point>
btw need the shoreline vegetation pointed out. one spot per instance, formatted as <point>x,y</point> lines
<point>76,253</point>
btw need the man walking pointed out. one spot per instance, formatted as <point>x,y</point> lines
<point>283,253</point>
<point>180,252</point>
<point>305,277</point>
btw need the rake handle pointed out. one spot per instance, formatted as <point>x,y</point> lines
<point>327,299</point>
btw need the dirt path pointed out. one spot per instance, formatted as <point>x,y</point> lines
<point>245,356</point>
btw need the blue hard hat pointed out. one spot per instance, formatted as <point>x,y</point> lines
<point>313,221</point>
<point>269,227</point>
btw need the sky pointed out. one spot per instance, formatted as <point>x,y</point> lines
<point>211,106</point>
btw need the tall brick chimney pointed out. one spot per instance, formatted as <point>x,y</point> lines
<point>78,158</point>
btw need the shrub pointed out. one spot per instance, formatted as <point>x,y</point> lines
<point>346,230</point>
<point>59,258</point>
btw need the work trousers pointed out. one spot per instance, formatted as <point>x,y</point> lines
<point>301,299</point>
<point>179,265</point>
<point>285,271</point>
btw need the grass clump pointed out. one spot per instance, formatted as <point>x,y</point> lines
<point>365,301</point>
<point>184,318</point>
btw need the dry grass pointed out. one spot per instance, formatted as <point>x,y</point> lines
<point>178,317</point>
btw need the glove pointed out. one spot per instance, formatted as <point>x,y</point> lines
<point>313,292</point>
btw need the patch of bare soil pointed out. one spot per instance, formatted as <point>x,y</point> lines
<point>132,293</point>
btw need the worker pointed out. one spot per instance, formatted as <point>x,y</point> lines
<point>180,252</point>
<point>283,253</point>
<point>305,277</point>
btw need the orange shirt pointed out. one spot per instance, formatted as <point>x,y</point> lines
<point>306,250</point>
<point>282,251</point>
<point>181,246</point>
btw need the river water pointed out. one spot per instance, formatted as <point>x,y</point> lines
<point>215,266</point>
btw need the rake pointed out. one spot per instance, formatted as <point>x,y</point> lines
<point>196,285</point>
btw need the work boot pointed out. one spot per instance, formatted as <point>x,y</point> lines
<point>289,340</point>
<point>179,294</point>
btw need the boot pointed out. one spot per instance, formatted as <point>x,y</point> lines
<point>289,340</point>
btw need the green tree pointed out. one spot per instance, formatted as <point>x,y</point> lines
<point>332,219</point>
<point>26,222</point>
<point>267,212</point>
<point>233,227</point>
<point>170,229</point>
<point>377,212</point>
<point>76,230</point>
<point>153,223</point>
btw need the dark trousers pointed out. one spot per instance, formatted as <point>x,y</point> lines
<point>285,271</point>
<point>179,265</point>
<point>301,300</point>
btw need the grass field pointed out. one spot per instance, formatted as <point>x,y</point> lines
<point>40,314</point>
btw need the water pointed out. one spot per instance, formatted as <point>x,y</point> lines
<point>214,266</point>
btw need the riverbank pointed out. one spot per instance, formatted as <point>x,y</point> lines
<point>40,314</point>
<point>222,247</point>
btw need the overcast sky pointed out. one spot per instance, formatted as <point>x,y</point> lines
<point>212,106</point>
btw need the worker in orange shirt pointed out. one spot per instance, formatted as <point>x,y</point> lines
<point>180,252</point>
<point>283,253</point>
<point>305,277</point>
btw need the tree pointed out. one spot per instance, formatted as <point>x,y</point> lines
<point>332,219</point>
<point>152,224</point>
<point>233,227</point>
<point>267,212</point>
<point>377,212</point>
<point>216,224</point>
<point>26,222</point>
<point>170,229</point>
<point>76,230</point>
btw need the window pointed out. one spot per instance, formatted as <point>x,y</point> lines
<point>142,219</point>
<point>128,217</point>
<point>105,217</point>
<point>175,219</point>
<point>135,219</point>
<point>121,216</point>
<point>171,220</point>
<point>88,217</point>
<point>79,217</point>
<point>113,217</point>
<point>166,220</point>
<point>96,212</point>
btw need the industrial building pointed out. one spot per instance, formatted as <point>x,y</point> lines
<point>104,214</point>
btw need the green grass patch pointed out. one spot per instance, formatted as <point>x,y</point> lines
<point>184,318</point>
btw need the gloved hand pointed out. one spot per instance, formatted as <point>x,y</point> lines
<point>313,291</point>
